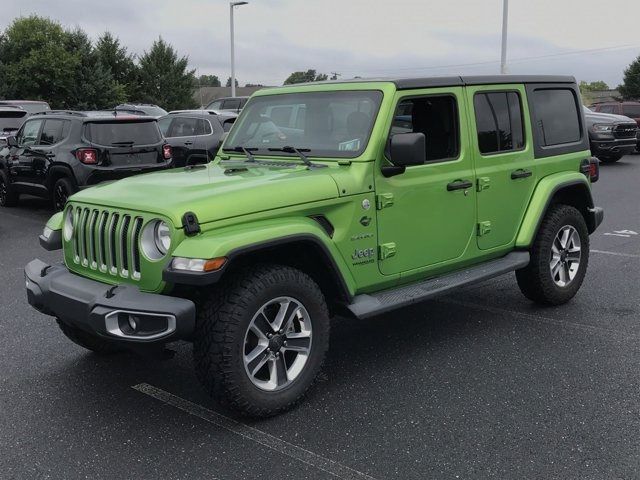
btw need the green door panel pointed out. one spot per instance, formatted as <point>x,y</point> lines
<point>502,200</point>
<point>426,223</point>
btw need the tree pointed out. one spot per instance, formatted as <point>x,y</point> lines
<point>115,58</point>
<point>303,77</point>
<point>596,86</point>
<point>228,84</point>
<point>207,81</point>
<point>164,78</point>
<point>630,88</point>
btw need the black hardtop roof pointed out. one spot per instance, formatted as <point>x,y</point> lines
<point>458,80</point>
<point>95,116</point>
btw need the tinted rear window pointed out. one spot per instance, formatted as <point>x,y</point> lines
<point>118,133</point>
<point>557,116</point>
<point>11,120</point>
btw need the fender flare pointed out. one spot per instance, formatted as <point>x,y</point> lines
<point>542,198</point>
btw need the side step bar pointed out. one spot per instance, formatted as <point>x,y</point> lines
<point>367,305</point>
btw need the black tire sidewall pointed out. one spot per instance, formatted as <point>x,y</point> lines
<point>67,185</point>
<point>11,197</point>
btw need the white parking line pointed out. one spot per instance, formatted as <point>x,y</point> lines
<point>274,443</point>
<point>617,254</point>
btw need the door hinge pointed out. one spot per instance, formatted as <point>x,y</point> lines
<point>386,250</point>
<point>484,228</point>
<point>384,200</point>
<point>483,183</point>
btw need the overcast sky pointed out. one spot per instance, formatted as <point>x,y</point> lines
<point>367,37</point>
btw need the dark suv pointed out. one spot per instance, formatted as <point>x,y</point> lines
<point>141,109</point>
<point>57,153</point>
<point>228,104</point>
<point>195,135</point>
<point>628,109</point>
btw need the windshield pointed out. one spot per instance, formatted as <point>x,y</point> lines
<point>328,124</point>
<point>120,133</point>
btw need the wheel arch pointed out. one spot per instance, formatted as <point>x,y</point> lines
<point>568,189</point>
<point>58,171</point>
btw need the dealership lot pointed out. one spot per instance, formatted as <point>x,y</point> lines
<point>480,384</point>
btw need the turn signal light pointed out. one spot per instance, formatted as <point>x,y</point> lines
<point>198,264</point>
<point>167,152</point>
<point>88,156</point>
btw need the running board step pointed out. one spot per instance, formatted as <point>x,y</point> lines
<point>367,305</point>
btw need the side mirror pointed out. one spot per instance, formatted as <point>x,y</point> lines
<point>11,141</point>
<point>405,150</point>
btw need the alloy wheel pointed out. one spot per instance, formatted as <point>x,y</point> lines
<point>61,196</point>
<point>566,253</point>
<point>277,344</point>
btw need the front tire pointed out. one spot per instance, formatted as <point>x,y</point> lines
<point>559,258</point>
<point>62,189</point>
<point>94,343</point>
<point>8,197</point>
<point>261,339</point>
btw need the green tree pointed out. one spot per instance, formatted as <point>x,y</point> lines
<point>228,84</point>
<point>596,86</point>
<point>164,78</point>
<point>115,58</point>
<point>207,81</point>
<point>630,88</point>
<point>303,77</point>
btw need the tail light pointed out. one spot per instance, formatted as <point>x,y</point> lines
<point>88,156</point>
<point>166,152</point>
<point>590,167</point>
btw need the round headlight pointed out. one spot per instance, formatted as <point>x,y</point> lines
<point>156,239</point>
<point>67,229</point>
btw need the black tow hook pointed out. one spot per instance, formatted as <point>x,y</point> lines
<point>111,292</point>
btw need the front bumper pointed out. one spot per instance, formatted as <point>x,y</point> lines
<point>106,310</point>
<point>619,146</point>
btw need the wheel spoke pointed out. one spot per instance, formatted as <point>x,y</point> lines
<point>258,361</point>
<point>564,239</point>
<point>298,343</point>
<point>281,369</point>
<point>556,269</point>
<point>573,255</point>
<point>562,274</point>
<point>554,261</point>
<point>261,326</point>
<point>567,272</point>
<point>285,315</point>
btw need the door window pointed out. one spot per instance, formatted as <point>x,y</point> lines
<point>606,109</point>
<point>54,131</point>
<point>499,122</point>
<point>29,133</point>
<point>437,118</point>
<point>215,105</point>
<point>203,127</point>
<point>557,116</point>
<point>183,127</point>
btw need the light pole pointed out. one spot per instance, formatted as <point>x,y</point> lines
<point>232,5</point>
<point>505,21</point>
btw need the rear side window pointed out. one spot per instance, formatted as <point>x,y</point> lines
<point>557,116</point>
<point>632,111</point>
<point>231,104</point>
<point>203,127</point>
<point>122,133</point>
<point>499,122</point>
<point>54,131</point>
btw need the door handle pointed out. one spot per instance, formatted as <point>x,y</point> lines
<point>459,185</point>
<point>188,143</point>
<point>521,173</point>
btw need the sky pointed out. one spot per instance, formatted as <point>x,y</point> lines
<point>589,39</point>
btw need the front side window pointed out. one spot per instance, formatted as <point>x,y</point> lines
<point>215,105</point>
<point>123,133</point>
<point>327,124</point>
<point>437,118</point>
<point>29,134</point>
<point>557,116</point>
<point>499,122</point>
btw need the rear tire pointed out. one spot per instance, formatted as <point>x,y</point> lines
<point>610,158</point>
<point>261,368</point>
<point>91,342</point>
<point>8,197</point>
<point>559,258</point>
<point>62,189</point>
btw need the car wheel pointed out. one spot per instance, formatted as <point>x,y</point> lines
<point>62,190</point>
<point>559,258</point>
<point>8,198</point>
<point>88,341</point>
<point>260,341</point>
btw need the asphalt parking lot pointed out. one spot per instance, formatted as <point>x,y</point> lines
<point>480,384</point>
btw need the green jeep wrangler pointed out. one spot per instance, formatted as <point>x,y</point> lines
<point>351,198</point>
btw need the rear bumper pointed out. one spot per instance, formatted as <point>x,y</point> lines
<point>105,310</point>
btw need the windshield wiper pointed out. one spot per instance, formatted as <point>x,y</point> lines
<point>297,151</point>
<point>246,150</point>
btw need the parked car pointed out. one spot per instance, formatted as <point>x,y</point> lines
<point>11,118</point>
<point>57,153</point>
<point>195,135</point>
<point>628,109</point>
<point>31,106</point>
<point>339,212</point>
<point>228,104</point>
<point>610,136</point>
<point>141,109</point>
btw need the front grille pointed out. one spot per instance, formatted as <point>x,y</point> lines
<point>625,130</point>
<point>107,241</point>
